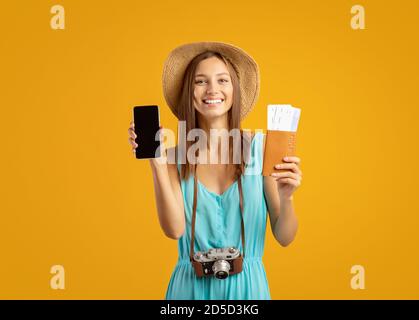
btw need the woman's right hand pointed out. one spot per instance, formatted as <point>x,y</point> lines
<point>134,145</point>
<point>132,137</point>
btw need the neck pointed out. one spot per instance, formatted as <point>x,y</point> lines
<point>213,123</point>
<point>218,123</point>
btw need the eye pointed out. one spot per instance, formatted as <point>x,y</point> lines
<point>199,81</point>
<point>225,80</point>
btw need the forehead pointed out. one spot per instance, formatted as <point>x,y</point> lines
<point>211,66</point>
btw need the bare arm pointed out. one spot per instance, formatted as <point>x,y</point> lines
<point>167,191</point>
<point>169,199</point>
<point>284,223</point>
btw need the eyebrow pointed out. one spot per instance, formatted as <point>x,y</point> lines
<point>218,74</point>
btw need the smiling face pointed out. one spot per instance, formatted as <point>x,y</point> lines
<point>213,89</point>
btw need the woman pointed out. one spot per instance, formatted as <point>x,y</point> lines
<point>213,85</point>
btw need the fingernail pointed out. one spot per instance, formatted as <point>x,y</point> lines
<point>278,166</point>
<point>286,158</point>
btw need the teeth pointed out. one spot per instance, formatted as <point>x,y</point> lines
<point>212,101</point>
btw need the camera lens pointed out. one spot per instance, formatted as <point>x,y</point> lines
<point>221,269</point>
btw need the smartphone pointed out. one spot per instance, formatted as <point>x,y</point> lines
<point>147,125</point>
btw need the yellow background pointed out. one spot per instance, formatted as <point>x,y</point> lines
<point>73,194</point>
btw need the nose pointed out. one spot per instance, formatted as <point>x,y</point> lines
<point>212,87</point>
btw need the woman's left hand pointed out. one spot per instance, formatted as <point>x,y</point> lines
<point>288,181</point>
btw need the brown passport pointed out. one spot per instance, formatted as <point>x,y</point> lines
<point>279,144</point>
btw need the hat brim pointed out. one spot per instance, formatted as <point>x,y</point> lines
<point>178,59</point>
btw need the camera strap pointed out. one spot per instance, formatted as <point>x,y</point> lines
<point>195,195</point>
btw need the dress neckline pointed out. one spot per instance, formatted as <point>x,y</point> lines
<point>215,193</point>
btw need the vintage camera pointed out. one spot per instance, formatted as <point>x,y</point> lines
<point>220,262</point>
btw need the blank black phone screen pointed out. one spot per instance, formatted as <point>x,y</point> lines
<point>147,124</point>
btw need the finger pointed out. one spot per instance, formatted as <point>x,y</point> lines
<point>293,182</point>
<point>132,133</point>
<point>132,142</point>
<point>131,139</point>
<point>295,159</point>
<point>285,174</point>
<point>132,124</point>
<point>291,166</point>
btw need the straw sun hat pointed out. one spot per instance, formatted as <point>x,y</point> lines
<point>179,58</point>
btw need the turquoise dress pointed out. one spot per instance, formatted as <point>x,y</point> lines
<point>217,225</point>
